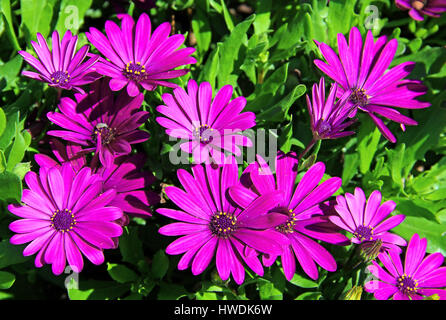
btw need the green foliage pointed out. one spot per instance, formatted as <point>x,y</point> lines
<point>265,50</point>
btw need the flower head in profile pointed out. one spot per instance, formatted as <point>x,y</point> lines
<point>420,277</point>
<point>303,207</point>
<point>61,67</point>
<point>211,225</point>
<point>329,118</point>
<point>361,72</point>
<point>100,122</point>
<point>366,220</point>
<point>134,56</point>
<point>65,216</point>
<point>124,175</point>
<point>209,126</point>
<point>418,8</point>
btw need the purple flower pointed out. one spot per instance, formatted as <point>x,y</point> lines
<point>210,126</point>
<point>328,118</point>
<point>301,205</point>
<point>124,175</point>
<point>420,277</point>
<point>418,8</point>
<point>62,67</point>
<point>366,220</point>
<point>360,72</point>
<point>65,215</point>
<point>137,57</point>
<point>101,123</point>
<point>211,224</point>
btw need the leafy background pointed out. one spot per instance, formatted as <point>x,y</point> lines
<point>264,49</point>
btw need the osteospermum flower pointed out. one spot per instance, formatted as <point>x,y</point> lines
<point>101,123</point>
<point>124,175</point>
<point>135,57</point>
<point>361,72</point>
<point>61,67</point>
<point>212,226</point>
<point>328,118</point>
<point>210,126</point>
<point>418,8</point>
<point>302,206</point>
<point>366,220</point>
<point>420,276</point>
<point>65,215</point>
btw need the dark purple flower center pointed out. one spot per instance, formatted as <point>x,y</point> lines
<point>204,133</point>
<point>359,97</point>
<point>60,77</point>
<point>363,233</point>
<point>288,226</point>
<point>222,224</point>
<point>406,284</point>
<point>107,134</point>
<point>135,71</point>
<point>63,220</point>
<point>418,4</point>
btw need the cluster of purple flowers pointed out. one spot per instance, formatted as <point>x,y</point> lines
<point>78,203</point>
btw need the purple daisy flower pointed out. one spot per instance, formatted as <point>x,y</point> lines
<point>418,8</point>
<point>65,215</point>
<point>61,67</point>
<point>360,72</point>
<point>328,118</point>
<point>211,224</point>
<point>366,220</point>
<point>101,123</point>
<point>210,126</point>
<point>301,205</point>
<point>124,175</point>
<point>137,57</point>
<point>420,277</point>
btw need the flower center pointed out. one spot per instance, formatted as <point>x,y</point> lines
<point>406,284</point>
<point>107,134</point>
<point>418,4</point>
<point>135,71</point>
<point>364,233</point>
<point>288,226</point>
<point>60,77</point>
<point>204,133</point>
<point>223,224</point>
<point>359,97</point>
<point>63,220</point>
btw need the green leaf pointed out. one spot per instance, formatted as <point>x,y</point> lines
<point>434,232</point>
<point>121,273</point>
<point>202,31</point>
<point>36,17</point>
<point>268,291</point>
<point>6,280</point>
<point>10,187</point>
<point>160,264</point>
<point>227,16</point>
<point>229,51</point>
<point>10,254</point>
<point>2,121</point>
<point>211,68</point>
<point>263,16</point>
<point>11,69</point>
<point>130,246</point>
<point>5,7</point>
<point>302,282</point>
<point>368,140</point>
<point>17,151</point>
<point>71,15</point>
<point>350,167</point>
<point>279,111</point>
<point>309,296</point>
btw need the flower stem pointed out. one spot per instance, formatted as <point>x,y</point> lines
<point>308,148</point>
